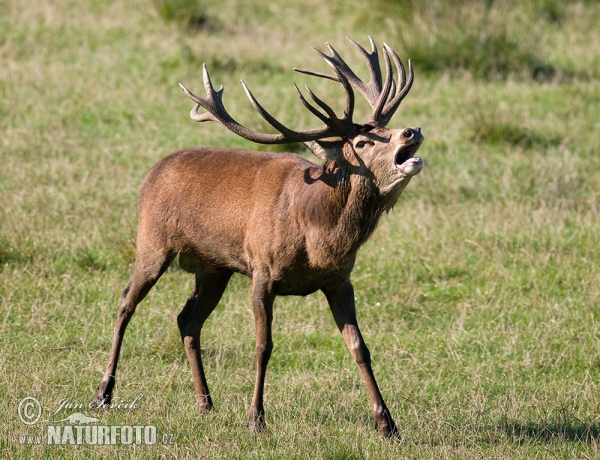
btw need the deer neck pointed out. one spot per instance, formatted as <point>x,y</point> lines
<point>341,214</point>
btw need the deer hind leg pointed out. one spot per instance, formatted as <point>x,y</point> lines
<point>149,266</point>
<point>205,297</point>
<point>341,302</point>
<point>262,300</point>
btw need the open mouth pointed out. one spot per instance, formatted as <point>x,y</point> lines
<point>406,153</point>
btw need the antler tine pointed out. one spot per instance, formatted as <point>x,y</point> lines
<point>402,88</point>
<point>317,74</point>
<point>348,111</point>
<point>208,116</point>
<point>392,91</point>
<point>321,104</point>
<point>266,115</point>
<point>389,79</point>
<point>399,66</point>
<point>312,109</point>
<point>212,103</point>
<point>372,58</point>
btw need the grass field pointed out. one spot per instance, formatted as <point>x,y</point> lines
<point>478,295</point>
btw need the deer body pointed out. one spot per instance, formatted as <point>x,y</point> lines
<point>275,218</point>
<point>284,216</point>
<point>293,226</point>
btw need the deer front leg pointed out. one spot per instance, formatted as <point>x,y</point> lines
<point>262,300</point>
<point>341,302</point>
<point>207,293</point>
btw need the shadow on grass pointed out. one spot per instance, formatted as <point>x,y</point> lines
<point>567,431</point>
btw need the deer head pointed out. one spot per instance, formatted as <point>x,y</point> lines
<point>369,149</point>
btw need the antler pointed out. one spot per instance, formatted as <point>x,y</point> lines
<point>384,98</point>
<point>333,126</point>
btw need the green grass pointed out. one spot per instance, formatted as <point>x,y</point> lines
<point>478,295</point>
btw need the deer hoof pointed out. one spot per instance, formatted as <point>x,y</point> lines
<point>205,404</point>
<point>387,427</point>
<point>390,433</point>
<point>104,396</point>
<point>256,421</point>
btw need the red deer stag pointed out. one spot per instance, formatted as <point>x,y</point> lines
<point>292,226</point>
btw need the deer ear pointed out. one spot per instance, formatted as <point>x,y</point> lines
<point>326,150</point>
